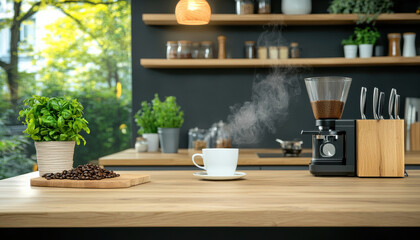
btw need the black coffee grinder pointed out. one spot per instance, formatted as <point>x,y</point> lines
<point>334,142</point>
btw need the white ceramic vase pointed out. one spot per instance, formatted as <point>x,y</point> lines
<point>54,156</point>
<point>296,6</point>
<point>365,50</point>
<point>409,48</point>
<point>350,51</point>
<point>152,141</point>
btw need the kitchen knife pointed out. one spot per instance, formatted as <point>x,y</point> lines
<point>381,105</point>
<point>375,102</point>
<point>363,103</point>
<point>397,106</point>
<point>391,103</point>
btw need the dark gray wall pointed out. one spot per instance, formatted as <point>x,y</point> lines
<point>206,95</point>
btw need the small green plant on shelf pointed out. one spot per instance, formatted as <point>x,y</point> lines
<point>367,35</point>
<point>168,113</point>
<point>349,41</point>
<point>146,119</point>
<point>53,119</point>
<point>367,10</point>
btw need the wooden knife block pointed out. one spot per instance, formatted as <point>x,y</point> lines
<point>380,148</point>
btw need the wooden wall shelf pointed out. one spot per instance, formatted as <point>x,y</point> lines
<point>308,19</point>
<point>258,63</point>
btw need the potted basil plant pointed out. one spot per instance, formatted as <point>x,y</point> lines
<point>169,119</point>
<point>350,47</point>
<point>366,38</point>
<point>146,121</point>
<point>54,124</point>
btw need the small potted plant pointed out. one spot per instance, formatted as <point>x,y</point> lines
<point>350,47</point>
<point>366,38</point>
<point>146,120</point>
<point>54,124</point>
<point>169,119</point>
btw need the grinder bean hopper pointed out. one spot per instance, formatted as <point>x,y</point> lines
<point>333,142</point>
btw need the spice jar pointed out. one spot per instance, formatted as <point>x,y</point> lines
<point>394,44</point>
<point>294,50</point>
<point>198,139</point>
<point>250,51</point>
<point>141,144</point>
<point>284,52</point>
<point>244,7</point>
<point>195,49</point>
<point>223,136</point>
<point>171,49</point>
<point>206,50</point>
<point>264,6</point>
<point>409,48</point>
<point>273,52</point>
<point>184,49</point>
<point>262,52</point>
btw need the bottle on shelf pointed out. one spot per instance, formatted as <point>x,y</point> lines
<point>409,48</point>
<point>394,44</point>
<point>250,49</point>
<point>222,47</point>
<point>294,50</point>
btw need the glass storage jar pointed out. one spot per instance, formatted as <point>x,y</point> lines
<point>184,49</point>
<point>394,44</point>
<point>141,144</point>
<point>294,50</point>
<point>171,49</point>
<point>244,7</point>
<point>198,139</point>
<point>195,50</point>
<point>262,52</point>
<point>223,136</point>
<point>264,6</point>
<point>273,52</point>
<point>206,51</point>
<point>250,50</point>
<point>284,52</point>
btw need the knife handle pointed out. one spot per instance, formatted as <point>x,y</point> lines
<point>381,105</point>
<point>391,103</point>
<point>363,103</point>
<point>397,106</point>
<point>375,103</point>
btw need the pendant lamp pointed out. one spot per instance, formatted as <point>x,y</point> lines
<point>193,12</point>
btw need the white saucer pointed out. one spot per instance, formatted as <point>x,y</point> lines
<point>203,175</point>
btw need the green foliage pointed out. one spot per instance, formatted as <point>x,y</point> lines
<point>349,41</point>
<point>146,119</point>
<point>367,10</point>
<point>366,35</point>
<point>14,159</point>
<point>168,113</point>
<point>53,119</point>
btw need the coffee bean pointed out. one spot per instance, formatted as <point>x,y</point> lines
<point>83,172</point>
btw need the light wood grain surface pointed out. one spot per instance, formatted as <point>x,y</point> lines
<point>269,63</point>
<point>247,157</point>
<point>305,19</point>
<point>178,199</point>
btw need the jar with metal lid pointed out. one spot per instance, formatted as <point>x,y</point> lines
<point>244,7</point>
<point>294,50</point>
<point>171,49</point>
<point>141,144</point>
<point>184,49</point>
<point>250,49</point>
<point>206,51</point>
<point>264,6</point>
<point>394,44</point>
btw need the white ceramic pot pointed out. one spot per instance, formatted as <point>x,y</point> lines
<point>350,51</point>
<point>365,50</point>
<point>296,6</point>
<point>54,156</point>
<point>409,49</point>
<point>152,141</point>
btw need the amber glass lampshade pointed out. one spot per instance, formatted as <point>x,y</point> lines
<point>193,12</point>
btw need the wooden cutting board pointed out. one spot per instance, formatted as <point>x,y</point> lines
<point>123,181</point>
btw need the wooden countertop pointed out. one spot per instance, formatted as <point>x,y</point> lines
<point>178,199</point>
<point>247,156</point>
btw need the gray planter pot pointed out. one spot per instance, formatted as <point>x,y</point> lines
<point>169,139</point>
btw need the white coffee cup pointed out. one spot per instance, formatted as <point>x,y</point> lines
<point>218,161</point>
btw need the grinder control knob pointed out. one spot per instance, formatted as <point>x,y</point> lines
<point>327,149</point>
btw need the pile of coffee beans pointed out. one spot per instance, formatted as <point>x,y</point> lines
<point>82,172</point>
